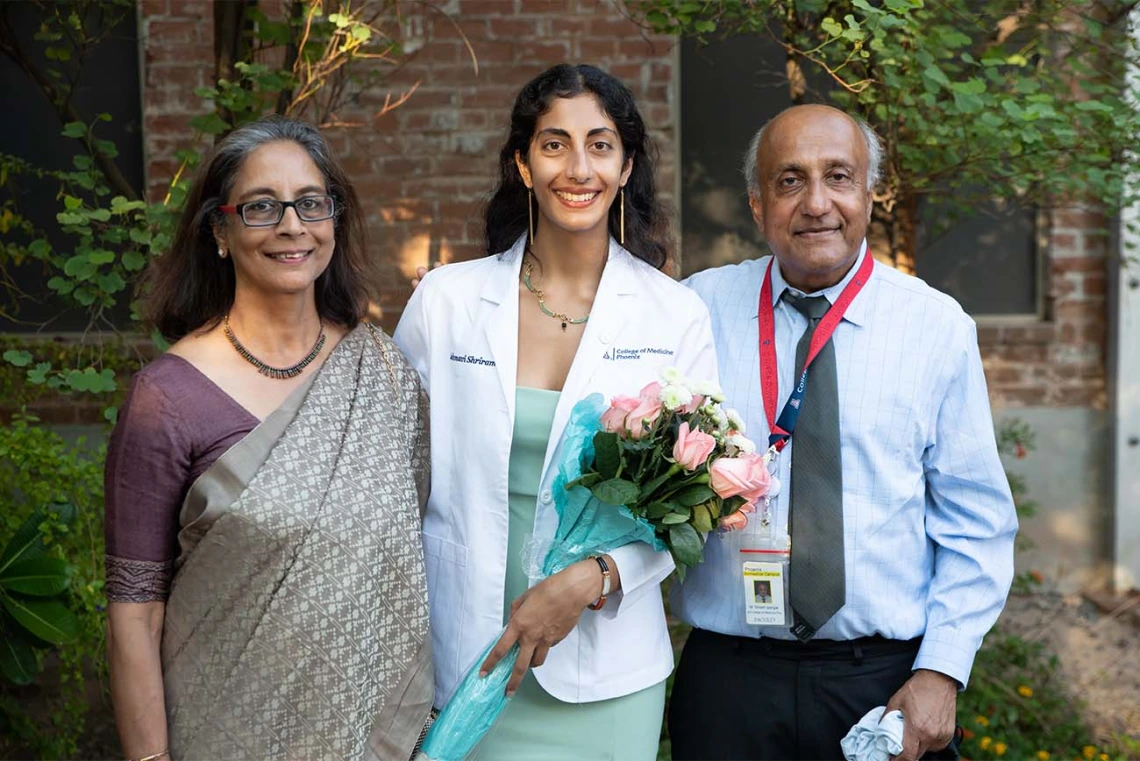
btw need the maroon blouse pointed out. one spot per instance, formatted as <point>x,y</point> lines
<point>174,424</point>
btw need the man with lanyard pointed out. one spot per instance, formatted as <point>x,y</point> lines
<point>888,538</point>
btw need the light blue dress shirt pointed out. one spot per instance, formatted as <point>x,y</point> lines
<point>928,519</point>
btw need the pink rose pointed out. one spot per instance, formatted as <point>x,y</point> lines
<point>613,419</point>
<point>734,522</point>
<point>745,475</point>
<point>693,447</point>
<point>645,414</point>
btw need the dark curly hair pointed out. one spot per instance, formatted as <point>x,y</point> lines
<point>191,286</point>
<point>646,228</point>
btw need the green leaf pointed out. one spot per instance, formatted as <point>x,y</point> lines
<point>38,375</point>
<point>49,620</point>
<point>101,256</point>
<point>100,215</point>
<point>39,577</point>
<point>616,491</point>
<point>695,495</point>
<point>111,283</point>
<point>607,454</point>
<point>133,261</point>
<point>74,129</point>
<point>39,248</point>
<point>935,74</point>
<point>79,267</point>
<point>18,357</point>
<point>71,203</point>
<point>18,661</point>
<point>703,518</point>
<point>211,124</point>
<point>831,26</point>
<point>679,515</point>
<point>658,510</point>
<point>685,544</point>
<point>107,148</point>
<point>27,542</point>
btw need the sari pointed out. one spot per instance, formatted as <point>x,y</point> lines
<point>297,623</point>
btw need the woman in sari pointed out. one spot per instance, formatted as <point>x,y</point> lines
<point>569,301</point>
<point>265,481</point>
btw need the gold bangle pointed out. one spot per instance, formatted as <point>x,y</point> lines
<point>154,757</point>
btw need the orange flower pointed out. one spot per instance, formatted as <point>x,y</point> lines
<point>999,748</point>
<point>1102,757</point>
<point>1043,755</point>
<point>982,721</point>
<point>1025,691</point>
<point>967,734</point>
<point>985,742</point>
<point>1037,576</point>
<point>1089,751</point>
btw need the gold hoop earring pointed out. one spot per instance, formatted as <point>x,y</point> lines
<point>529,218</point>
<point>622,241</point>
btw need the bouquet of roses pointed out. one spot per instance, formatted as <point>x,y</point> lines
<point>679,460</point>
<point>663,468</point>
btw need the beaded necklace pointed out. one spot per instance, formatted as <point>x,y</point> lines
<point>280,373</point>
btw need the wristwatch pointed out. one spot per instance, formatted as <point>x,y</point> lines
<point>606,579</point>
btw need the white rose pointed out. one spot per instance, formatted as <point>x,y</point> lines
<point>674,396</point>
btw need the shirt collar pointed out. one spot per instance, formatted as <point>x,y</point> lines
<point>855,311</point>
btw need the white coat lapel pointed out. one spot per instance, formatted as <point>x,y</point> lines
<point>501,326</point>
<point>614,309</point>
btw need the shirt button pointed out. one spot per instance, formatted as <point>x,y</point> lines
<point>546,497</point>
<point>606,337</point>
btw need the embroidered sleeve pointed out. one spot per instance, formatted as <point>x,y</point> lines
<point>137,580</point>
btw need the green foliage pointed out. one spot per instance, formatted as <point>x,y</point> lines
<point>1016,102</point>
<point>1017,706</point>
<point>51,583</point>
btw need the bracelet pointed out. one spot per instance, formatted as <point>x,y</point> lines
<point>601,601</point>
<point>153,757</point>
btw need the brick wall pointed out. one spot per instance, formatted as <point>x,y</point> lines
<point>1058,361</point>
<point>425,169</point>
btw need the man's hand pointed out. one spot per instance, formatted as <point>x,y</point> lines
<point>928,701</point>
<point>420,272</point>
<point>542,617</point>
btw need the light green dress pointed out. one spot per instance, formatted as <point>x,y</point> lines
<point>534,724</point>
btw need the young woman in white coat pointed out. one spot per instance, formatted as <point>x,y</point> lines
<point>506,345</point>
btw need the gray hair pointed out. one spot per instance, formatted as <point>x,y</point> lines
<point>874,156</point>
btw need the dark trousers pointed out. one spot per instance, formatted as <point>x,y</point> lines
<point>741,699</point>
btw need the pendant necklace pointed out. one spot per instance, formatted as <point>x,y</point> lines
<point>280,373</point>
<point>538,294</point>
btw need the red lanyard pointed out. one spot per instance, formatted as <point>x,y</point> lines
<point>781,430</point>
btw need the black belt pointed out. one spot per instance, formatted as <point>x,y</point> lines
<point>815,649</point>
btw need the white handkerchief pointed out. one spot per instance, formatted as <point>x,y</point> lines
<point>875,737</point>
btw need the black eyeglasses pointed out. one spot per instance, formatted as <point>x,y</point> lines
<point>268,212</point>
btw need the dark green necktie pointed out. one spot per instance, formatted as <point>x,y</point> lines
<point>818,584</point>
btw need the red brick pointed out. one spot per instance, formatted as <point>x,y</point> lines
<point>1077,264</point>
<point>595,51</point>
<point>486,7</point>
<point>199,10</point>
<point>520,29</point>
<point>171,34</point>
<point>152,8</point>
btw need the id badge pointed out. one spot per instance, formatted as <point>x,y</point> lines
<point>764,576</point>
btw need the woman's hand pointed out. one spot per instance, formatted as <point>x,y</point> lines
<point>543,616</point>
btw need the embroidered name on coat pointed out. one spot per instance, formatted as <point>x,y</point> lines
<point>471,359</point>
<point>618,355</point>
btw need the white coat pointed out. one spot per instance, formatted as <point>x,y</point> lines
<point>460,332</point>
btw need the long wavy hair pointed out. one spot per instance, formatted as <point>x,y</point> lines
<point>191,287</point>
<point>646,227</point>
